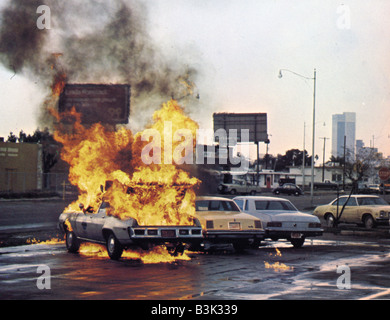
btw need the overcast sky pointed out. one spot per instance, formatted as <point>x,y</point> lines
<point>238,47</point>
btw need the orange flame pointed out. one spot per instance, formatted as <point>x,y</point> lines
<point>158,254</point>
<point>153,194</point>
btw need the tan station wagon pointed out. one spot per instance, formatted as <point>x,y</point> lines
<point>223,222</point>
<point>360,209</point>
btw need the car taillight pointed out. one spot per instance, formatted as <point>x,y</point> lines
<point>274,224</point>
<point>257,224</point>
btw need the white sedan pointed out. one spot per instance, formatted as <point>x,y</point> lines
<point>281,219</point>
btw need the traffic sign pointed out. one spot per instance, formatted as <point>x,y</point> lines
<point>384,173</point>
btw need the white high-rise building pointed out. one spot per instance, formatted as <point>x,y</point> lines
<point>344,125</point>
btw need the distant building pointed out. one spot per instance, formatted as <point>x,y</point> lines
<point>343,125</point>
<point>365,152</point>
<point>21,167</point>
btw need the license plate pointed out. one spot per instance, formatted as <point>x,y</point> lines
<point>296,235</point>
<point>168,233</point>
<point>234,225</point>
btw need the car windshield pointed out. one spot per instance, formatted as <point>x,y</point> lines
<point>372,201</point>
<point>276,205</point>
<point>216,205</point>
<point>342,200</point>
<point>240,203</point>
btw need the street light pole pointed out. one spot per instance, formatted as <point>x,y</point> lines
<point>314,130</point>
<point>313,139</point>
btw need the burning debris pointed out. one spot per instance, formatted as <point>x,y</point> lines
<point>277,266</point>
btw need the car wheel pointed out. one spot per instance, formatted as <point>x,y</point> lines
<point>114,248</point>
<point>277,192</point>
<point>72,243</point>
<point>330,221</point>
<point>233,191</point>
<point>297,243</point>
<point>296,193</point>
<point>369,222</point>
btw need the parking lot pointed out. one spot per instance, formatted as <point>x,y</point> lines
<point>347,263</point>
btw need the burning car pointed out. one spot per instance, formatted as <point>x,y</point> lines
<point>223,222</point>
<point>118,235</point>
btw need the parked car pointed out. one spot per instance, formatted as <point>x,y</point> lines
<point>242,187</point>
<point>368,210</point>
<point>288,188</point>
<point>369,189</point>
<point>223,222</point>
<point>327,184</point>
<point>281,219</point>
<point>97,226</point>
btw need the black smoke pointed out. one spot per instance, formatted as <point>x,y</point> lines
<point>92,42</point>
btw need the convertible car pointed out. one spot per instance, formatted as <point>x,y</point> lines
<point>119,235</point>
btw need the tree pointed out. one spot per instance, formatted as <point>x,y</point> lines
<point>292,158</point>
<point>361,167</point>
<point>45,138</point>
<point>12,137</point>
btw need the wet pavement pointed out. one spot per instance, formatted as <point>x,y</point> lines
<point>274,271</point>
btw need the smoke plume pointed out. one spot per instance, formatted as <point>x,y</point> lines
<point>92,42</point>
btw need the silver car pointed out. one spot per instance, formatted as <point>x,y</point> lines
<point>281,219</point>
<point>119,235</point>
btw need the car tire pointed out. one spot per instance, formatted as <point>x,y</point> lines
<point>369,222</point>
<point>297,243</point>
<point>71,241</point>
<point>277,192</point>
<point>114,248</point>
<point>330,220</point>
<point>233,192</point>
<point>296,193</point>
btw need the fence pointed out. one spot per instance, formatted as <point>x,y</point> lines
<point>23,182</point>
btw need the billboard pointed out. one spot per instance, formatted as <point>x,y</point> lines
<point>105,103</point>
<point>256,123</point>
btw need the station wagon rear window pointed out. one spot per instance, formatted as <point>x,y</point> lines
<point>371,201</point>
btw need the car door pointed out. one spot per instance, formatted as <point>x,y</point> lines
<point>97,221</point>
<point>82,225</point>
<point>350,213</point>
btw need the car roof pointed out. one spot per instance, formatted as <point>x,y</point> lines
<point>360,196</point>
<point>212,198</point>
<point>264,198</point>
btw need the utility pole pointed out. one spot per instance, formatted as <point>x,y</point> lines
<point>303,157</point>
<point>345,143</point>
<point>323,159</point>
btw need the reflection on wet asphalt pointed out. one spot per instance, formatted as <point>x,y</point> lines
<point>274,271</point>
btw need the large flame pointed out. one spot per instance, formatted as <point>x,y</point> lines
<point>157,193</point>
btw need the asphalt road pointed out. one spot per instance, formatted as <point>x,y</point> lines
<point>41,271</point>
<point>322,269</point>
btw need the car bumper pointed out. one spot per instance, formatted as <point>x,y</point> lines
<point>157,235</point>
<point>382,221</point>
<point>288,234</point>
<point>227,235</point>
